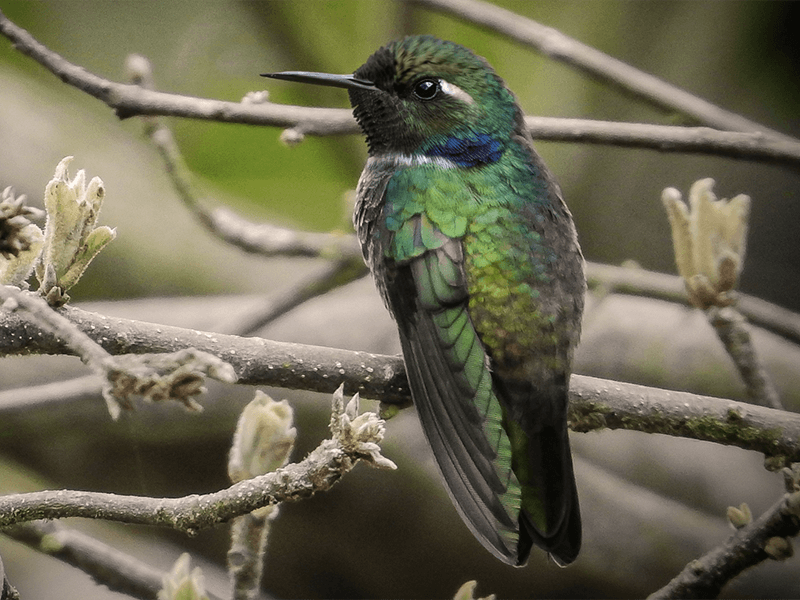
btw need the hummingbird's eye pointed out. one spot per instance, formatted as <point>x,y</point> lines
<point>426,89</point>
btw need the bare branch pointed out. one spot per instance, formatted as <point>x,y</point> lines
<point>331,277</point>
<point>640,282</point>
<point>176,376</point>
<point>131,100</point>
<point>258,238</point>
<point>664,138</point>
<point>706,576</point>
<point>108,566</point>
<point>37,397</point>
<point>256,361</point>
<point>603,404</point>
<point>734,334</point>
<point>558,46</point>
<point>355,438</point>
<point>594,403</point>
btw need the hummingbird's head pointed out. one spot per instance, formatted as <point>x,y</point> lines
<point>422,94</point>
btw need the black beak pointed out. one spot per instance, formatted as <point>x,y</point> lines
<point>340,81</point>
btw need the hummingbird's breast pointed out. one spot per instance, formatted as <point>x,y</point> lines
<point>522,263</point>
<point>525,277</point>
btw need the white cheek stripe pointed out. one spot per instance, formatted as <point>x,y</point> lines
<point>453,90</point>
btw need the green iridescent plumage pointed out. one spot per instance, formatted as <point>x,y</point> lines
<point>475,255</point>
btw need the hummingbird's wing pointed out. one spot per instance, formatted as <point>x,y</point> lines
<point>477,422</point>
<point>451,383</point>
<point>420,274</point>
<point>488,429</point>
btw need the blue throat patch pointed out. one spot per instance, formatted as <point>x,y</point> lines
<point>469,152</point>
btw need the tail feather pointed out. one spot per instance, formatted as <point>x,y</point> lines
<point>562,535</point>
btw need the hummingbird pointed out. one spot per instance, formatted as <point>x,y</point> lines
<point>475,254</point>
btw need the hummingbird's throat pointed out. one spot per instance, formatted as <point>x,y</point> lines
<point>474,151</point>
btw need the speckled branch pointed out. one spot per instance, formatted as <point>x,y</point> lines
<point>597,404</point>
<point>706,576</point>
<point>107,565</point>
<point>318,472</point>
<point>558,46</point>
<point>594,403</point>
<point>129,100</point>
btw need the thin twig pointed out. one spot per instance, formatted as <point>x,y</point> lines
<point>334,275</point>
<point>19,401</point>
<point>107,565</point>
<point>594,403</point>
<point>640,282</point>
<point>353,440</point>
<point>258,238</point>
<point>732,331</point>
<point>561,47</point>
<point>706,576</point>
<point>51,321</point>
<point>666,138</point>
<point>131,100</point>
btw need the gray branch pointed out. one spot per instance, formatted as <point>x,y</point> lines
<point>597,404</point>
<point>318,472</point>
<point>558,46</point>
<point>640,282</point>
<point>594,403</point>
<point>706,576</point>
<point>734,334</point>
<point>259,238</point>
<point>751,142</point>
<point>108,566</point>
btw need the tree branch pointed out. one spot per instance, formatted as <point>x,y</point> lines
<point>665,138</point>
<point>176,376</point>
<point>556,45</point>
<point>597,404</point>
<point>119,571</point>
<point>256,361</point>
<point>354,438</point>
<point>132,100</point>
<point>333,276</point>
<point>594,403</point>
<point>734,334</point>
<point>259,238</point>
<point>706,576</point>
<point>640,282</point>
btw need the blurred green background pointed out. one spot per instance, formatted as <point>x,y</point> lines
<point>741,55</point>
<point>401,538</point>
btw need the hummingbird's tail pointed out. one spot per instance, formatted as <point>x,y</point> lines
<point>550,516</point>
